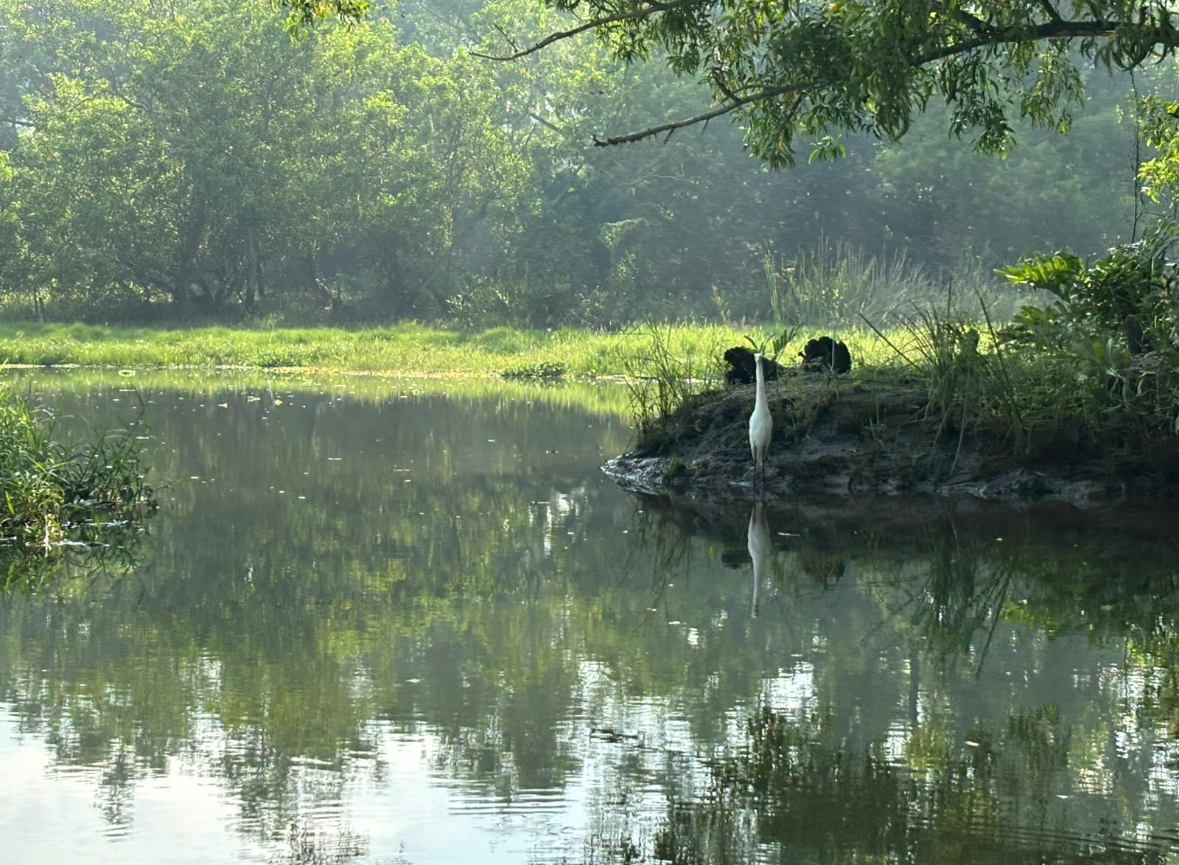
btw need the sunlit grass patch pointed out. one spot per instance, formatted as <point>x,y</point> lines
<point>409,349</point>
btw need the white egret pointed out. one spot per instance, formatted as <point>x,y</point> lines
<point>760,422</point>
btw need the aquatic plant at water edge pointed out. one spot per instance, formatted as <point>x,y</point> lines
<point>48,486</point>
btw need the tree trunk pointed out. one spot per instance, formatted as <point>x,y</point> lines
<point>253,271</point>
<point>317,285</point>
<point>261,276</point>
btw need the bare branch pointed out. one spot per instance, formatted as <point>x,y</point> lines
<point>504,33</point>
<point>963,17</point>
<point>544,122</point>
<point>1049,10</point>
<point>642,12</point>
<point>719,111</point>
<point>1047,32</point>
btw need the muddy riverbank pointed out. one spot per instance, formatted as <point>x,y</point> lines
<point>844,436</point>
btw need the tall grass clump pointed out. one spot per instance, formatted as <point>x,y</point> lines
<point>664,372</point>
<point>838,284</point>
<point>971,382</point>
<point>48,487</point>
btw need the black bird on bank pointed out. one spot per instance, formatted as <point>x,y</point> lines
<point>825,354</point>
<point>743,367</point>
<point>820,355</point>
<point>1136,338</point>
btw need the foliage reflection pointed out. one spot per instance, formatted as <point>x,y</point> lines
<point>327,578</point>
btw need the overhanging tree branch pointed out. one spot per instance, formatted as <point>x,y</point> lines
<point>642,12</point>
<point>950,32</point>
<point>1050,31</point>
<point>963,17</point>
<point>719,111</point>
<point>1049,10</point>
<point>1047,32</point>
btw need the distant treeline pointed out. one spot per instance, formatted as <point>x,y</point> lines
<point>166,158</point>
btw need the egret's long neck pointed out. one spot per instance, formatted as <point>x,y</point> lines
<point>761,384</point>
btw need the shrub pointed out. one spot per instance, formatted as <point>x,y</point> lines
<point>1092,302</point>
<point>1112,325</point>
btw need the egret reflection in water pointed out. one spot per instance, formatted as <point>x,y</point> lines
<point>760,546</point>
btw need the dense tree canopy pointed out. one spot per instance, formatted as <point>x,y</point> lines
<point>176,156</point>
<point>823,69</point>
<point>185,151</point>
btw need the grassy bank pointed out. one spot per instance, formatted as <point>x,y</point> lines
<point>1025,398</point>
<point>939,386</point>
<point>603,398</point>
<point>1031,396</point>
<point>408,349</point>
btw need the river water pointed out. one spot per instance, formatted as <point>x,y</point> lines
<point>413,623</point>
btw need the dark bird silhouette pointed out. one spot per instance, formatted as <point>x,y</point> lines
<point>742,367</point>
<point>825,354</point>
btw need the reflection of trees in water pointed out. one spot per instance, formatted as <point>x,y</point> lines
<point>794,791</point>
<point>95,549</point>
<point>970,771</point>
<point>270,642</point>
<point>494,607</point>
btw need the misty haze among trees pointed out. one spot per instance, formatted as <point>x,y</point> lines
<point>176,158</point>
<point>317,549</point>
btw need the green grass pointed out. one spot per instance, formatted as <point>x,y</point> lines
<point>600,397</point>
<point>410,349</point>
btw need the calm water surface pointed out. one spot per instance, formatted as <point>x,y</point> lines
<point>395,624</point>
